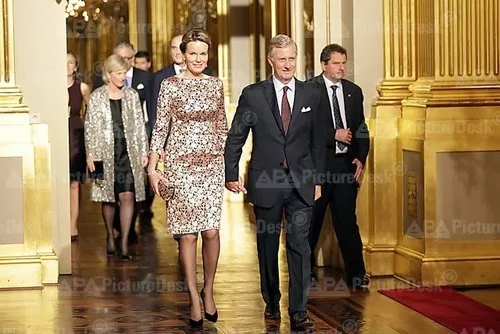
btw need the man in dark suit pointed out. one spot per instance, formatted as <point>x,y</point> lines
<point>287,157</point>
<point>177,66</point>
<point>141,81</point>
<point>347,147</point>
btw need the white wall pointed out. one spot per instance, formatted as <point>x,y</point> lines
<point>239,41</point>
<point>40,56</point>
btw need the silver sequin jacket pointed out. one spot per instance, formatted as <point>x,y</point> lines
<point>99,141</point>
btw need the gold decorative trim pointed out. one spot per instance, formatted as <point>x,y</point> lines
<point>7,62</point>
<point>133,23</point>
<point>274,18</point>
<point>400,250</point>
<point>223,46</point>
<point>461,258</point>
<point>252,27</point>
<point>406,281</point>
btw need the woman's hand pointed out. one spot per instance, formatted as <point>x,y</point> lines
<point>90,163</point>
<point>154,179</point>
<point>144,161</point>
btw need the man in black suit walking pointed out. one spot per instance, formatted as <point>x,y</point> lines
<point>141,81</point>
<point>287,157</point>
<point>347,147</point>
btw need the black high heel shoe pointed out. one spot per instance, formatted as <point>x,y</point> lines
<point>125,256</point>
<point>111,251</point>
<point>196,324</point>
<point>208,316</point>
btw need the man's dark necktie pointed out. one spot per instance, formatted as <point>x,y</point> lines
<point>286,114</point>
<point>336,114</point>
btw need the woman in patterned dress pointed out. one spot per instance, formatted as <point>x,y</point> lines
<point>78,96</point>
<point>115,134</point>
<point>191,128</point>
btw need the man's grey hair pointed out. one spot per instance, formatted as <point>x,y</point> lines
<point>280,41</point>
<point>123,45</point>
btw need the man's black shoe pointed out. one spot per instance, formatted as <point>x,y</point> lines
<point>358,282</point>
<point>272,312</point>
<point>300,320</point>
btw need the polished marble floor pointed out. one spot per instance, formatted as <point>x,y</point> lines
<point>147,294</point>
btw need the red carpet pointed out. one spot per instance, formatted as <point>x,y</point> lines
<point>449,308</point>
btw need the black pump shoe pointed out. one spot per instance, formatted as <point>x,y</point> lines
<point>196,324</point>
<point>208,316</point>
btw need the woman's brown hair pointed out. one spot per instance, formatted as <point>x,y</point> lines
<point>194,35</point>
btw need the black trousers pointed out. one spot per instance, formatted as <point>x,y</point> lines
<point>340,192</point>
<point>298,219</point>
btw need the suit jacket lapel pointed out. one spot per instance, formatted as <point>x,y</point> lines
<point>347,103</point>
<point>325,99</point>
<point>272,101</point>
<point>134,83</point>
<point>170,70</point>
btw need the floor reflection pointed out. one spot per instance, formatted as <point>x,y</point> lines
<point>148,295</point>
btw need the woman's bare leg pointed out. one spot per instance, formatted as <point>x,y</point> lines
<point>210,250</point>
<point>187,255</point>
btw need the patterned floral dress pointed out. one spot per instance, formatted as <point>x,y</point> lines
<point>191,127</point>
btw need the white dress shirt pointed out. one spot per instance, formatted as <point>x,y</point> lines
<point>278,87</point>
<point>340,98</point>
<point>129,75</point>
<point>178,69</point>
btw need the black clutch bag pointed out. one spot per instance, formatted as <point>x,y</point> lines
<point>98,173</point>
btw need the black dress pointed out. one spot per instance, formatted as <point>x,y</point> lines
<point>77,163</point>
<point>124,178</point>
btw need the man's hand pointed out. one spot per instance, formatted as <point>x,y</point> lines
<point>144,161</point>
<point>343,135</point>
<point>236,186</point>
<point>317,192</point>
<point>359,168</point>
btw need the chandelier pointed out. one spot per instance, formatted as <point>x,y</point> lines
<point>113,10</point>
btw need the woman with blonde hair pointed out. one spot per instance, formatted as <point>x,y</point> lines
<point>191,115</point>
<point>116,146</point>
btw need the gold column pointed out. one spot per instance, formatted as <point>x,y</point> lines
<point>27,259</point>
<point>399,50</point>
<point>162,21</point>
<point>297,29</point>
<point>133,24</point>
<point>384,169</point>
<point>223,46</point>
<point>450,119</point>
